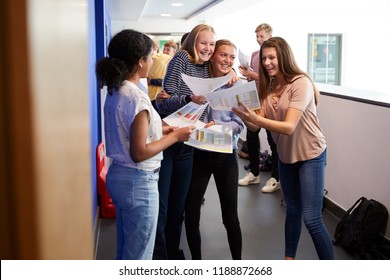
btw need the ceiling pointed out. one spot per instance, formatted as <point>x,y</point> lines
<point>133,10</point>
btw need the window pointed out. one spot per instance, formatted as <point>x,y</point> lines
<point>324,57</point>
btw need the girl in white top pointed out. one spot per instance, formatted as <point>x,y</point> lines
<point>135,139</point>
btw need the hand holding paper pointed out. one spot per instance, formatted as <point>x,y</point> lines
<point>227,98</point>
<point>244,59</point>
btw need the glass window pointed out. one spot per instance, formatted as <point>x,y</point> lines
<point>324,58</point>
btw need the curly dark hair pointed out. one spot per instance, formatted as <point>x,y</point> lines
<point>125,50</point>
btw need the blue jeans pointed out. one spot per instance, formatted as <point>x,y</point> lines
<point>303,187</point>
<point>135,195</point>
<point>173,185</point>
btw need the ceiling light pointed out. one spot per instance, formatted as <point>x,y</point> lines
<point>165,14</point>
<point>177,4</point>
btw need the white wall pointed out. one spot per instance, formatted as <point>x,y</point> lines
<point>358,138</point>
<point>58,44</point>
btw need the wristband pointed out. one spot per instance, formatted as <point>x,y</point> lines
<point>188,98</point>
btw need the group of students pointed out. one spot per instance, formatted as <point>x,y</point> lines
<point>156,181</point>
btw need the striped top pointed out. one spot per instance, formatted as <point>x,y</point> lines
<point>175,86</point>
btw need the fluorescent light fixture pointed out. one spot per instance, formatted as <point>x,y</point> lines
<point>177,4</point>
<point>165,14</point>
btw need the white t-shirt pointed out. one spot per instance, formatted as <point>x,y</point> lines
<point>120,110</point>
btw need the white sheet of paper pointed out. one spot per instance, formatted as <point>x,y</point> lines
<point>200,86</point>
<point>225,99</point>
<point>187,115</point>
<point>244,59</point>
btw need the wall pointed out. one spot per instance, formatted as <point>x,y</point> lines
<point>358,140</point>
<point>93,106</point>
<point>58,44</point>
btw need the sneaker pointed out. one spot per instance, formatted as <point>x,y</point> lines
<point>270,186</point>
<point>249,179</point>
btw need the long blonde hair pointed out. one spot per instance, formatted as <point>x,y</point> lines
<point>189,44</point>
<point>287,66</point>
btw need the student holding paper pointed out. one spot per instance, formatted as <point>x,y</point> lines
<point>223,166</point>
<point>289,97</point>
<point>176,168</point>
<point>135,138</point>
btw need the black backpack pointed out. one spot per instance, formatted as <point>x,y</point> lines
<point>362,227</point>
<point>265,161</point>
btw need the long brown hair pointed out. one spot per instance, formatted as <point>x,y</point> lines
<point>287,66</point>
<point>190,41</point>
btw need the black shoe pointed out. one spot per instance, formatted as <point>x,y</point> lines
<point>180,255</point>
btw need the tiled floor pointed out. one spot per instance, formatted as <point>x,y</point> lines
<point>262,224</point>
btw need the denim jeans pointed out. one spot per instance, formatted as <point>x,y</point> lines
<point>135,195</point>
<point>173,184</point>
<point>303,187</point>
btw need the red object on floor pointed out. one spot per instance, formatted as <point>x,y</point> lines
<point>107,208</point>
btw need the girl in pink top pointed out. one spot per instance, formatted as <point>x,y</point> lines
<point>289,98</point>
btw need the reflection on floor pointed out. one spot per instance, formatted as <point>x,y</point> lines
<point>262,224</point>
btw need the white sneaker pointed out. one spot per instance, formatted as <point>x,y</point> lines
<point>249,179</point>
<point>271,185</point>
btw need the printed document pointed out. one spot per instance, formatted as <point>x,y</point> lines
<point>225,99</point>
<point>217,138</point>
<point>187,115</point>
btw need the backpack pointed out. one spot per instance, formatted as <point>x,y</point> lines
<point>265,161</point>
<point>362,227</point>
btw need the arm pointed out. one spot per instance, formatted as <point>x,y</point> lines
<point>140,150</point>
<point>174,85</point>
<point>252,72</point>
<point>246,72</point>
<point>284,127</point>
